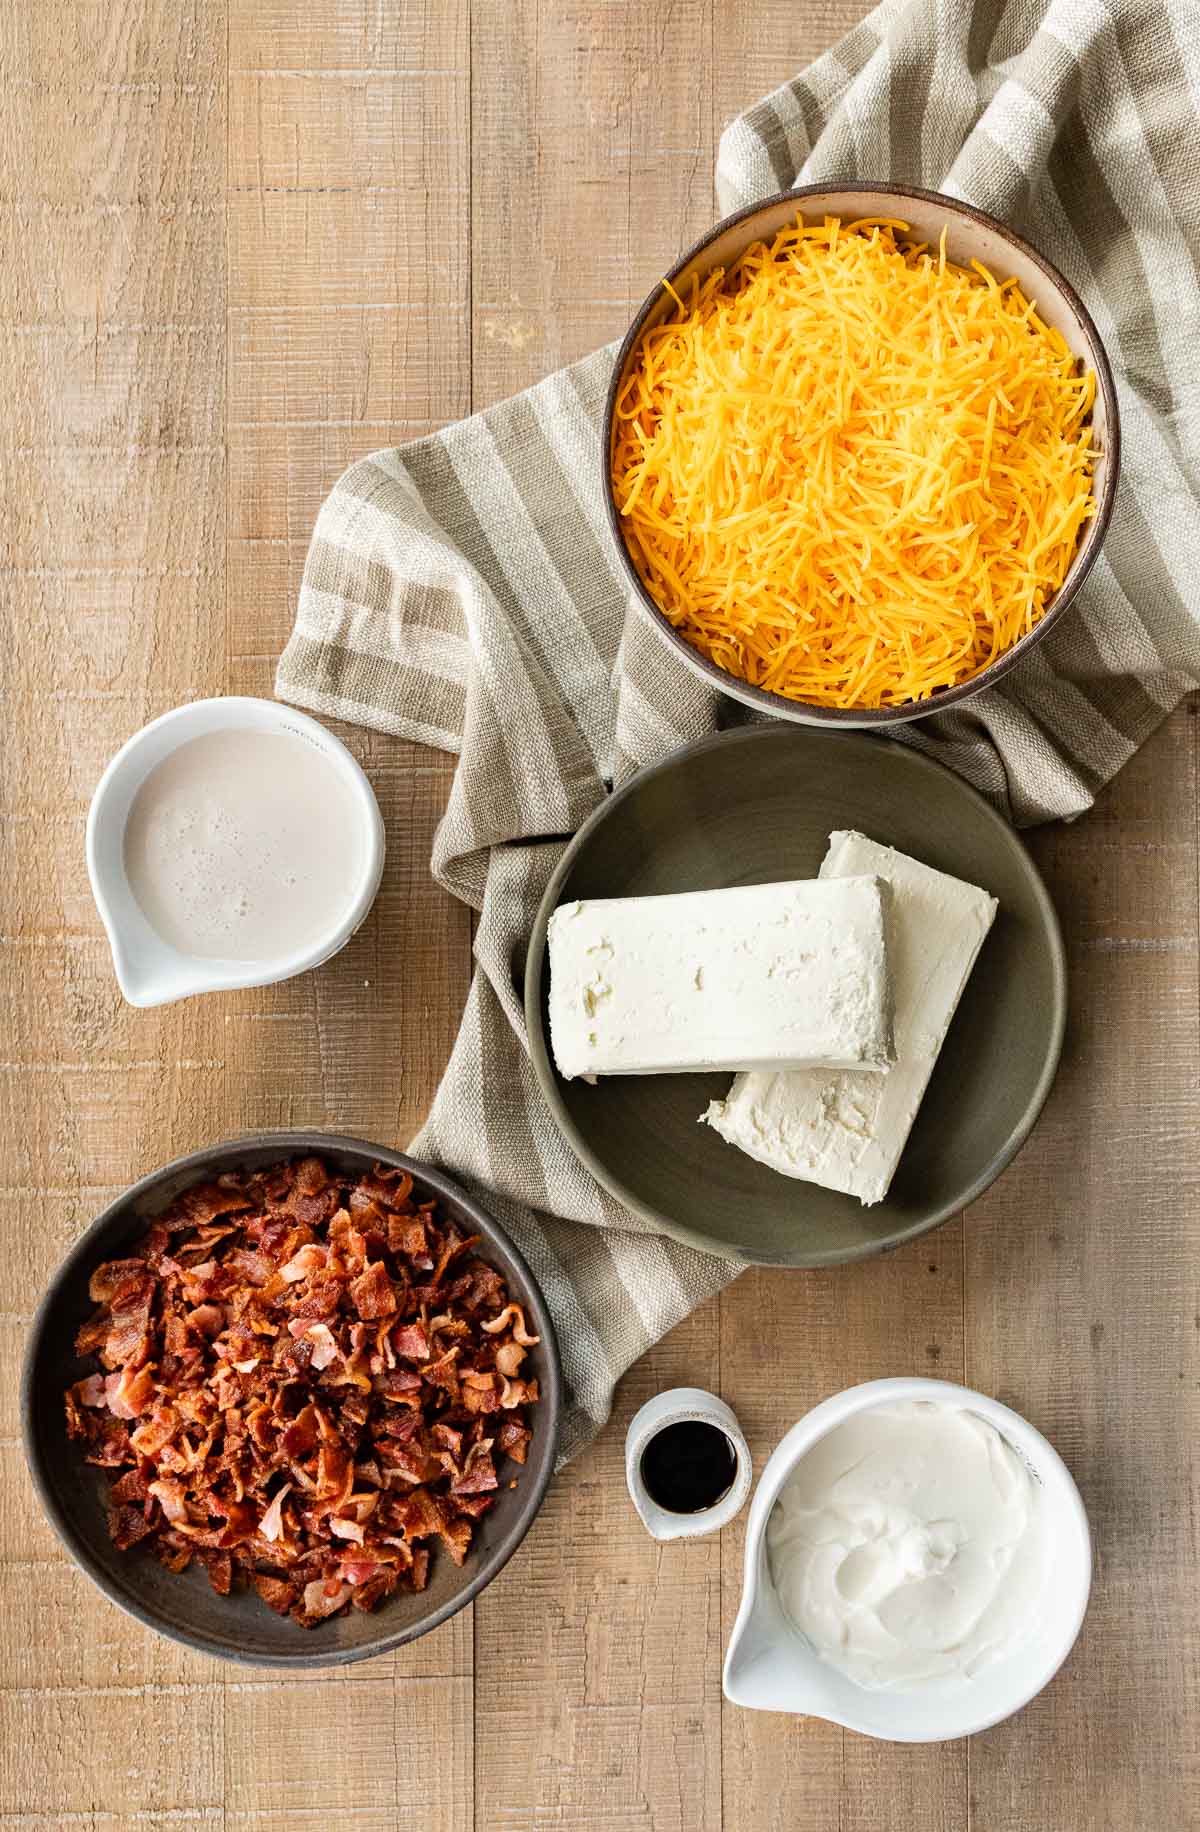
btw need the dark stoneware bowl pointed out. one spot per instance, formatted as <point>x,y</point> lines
<point>756,806</point>
<point>240,1627</point>
<point>970,235</point>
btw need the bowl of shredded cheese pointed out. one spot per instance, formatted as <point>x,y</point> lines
<point>862,452</point>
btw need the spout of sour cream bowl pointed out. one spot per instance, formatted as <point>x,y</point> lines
<point>770,1666</point>
<point>767,1666</point>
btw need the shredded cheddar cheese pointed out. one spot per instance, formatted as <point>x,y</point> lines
<point>850,471</point>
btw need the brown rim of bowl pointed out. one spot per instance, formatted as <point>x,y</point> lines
<point>85,1251</point>
<point>864,717</point>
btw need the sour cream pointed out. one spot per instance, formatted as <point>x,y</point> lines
<point>910,1546</point>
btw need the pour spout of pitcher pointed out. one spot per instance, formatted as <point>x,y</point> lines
<point>267,787</point>
<point>768,1665</point>
<point>766,1676</point>
<point>153,976</point>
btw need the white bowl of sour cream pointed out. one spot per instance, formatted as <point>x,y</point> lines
<point>917,1565</point>
<point>230,843</point>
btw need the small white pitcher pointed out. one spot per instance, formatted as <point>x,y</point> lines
<point>149,970</point>
<point>770,1666</point>
<point>673,1408</point>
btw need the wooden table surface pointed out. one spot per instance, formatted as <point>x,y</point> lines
<point>245,241</point>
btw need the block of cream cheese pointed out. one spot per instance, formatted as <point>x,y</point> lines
<point>847,1131</point>
<point>761,976</point>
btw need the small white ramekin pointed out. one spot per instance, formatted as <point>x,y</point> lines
<point>673,1408</point>
<point>151,972</point>
<point>769,1666</point>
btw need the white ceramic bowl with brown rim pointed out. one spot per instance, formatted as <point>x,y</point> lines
<point>971,235</point>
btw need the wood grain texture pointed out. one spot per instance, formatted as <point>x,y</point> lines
<point>180,407</point>
<point>244,242</point>
<point>112,297</point>
<point>586,170</point>
<point>1082,1288</point>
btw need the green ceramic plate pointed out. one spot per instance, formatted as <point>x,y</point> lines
<point>754,806</point>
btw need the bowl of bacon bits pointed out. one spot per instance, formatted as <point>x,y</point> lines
<point>292,1401</point>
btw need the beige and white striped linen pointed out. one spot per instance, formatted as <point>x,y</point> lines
<point>463,590</point>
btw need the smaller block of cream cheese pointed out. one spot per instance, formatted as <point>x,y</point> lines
<point>763,976</point>
<point>846,1131</point>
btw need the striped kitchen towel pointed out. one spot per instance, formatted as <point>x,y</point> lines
<point>463,590</point>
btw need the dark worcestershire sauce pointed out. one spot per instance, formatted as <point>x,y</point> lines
<point>688,1466</point>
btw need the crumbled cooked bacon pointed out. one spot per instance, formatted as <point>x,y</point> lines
<point>303,1382</point>
<point>505,1321</point>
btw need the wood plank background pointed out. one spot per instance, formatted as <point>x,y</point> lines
<point>243,242</point>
